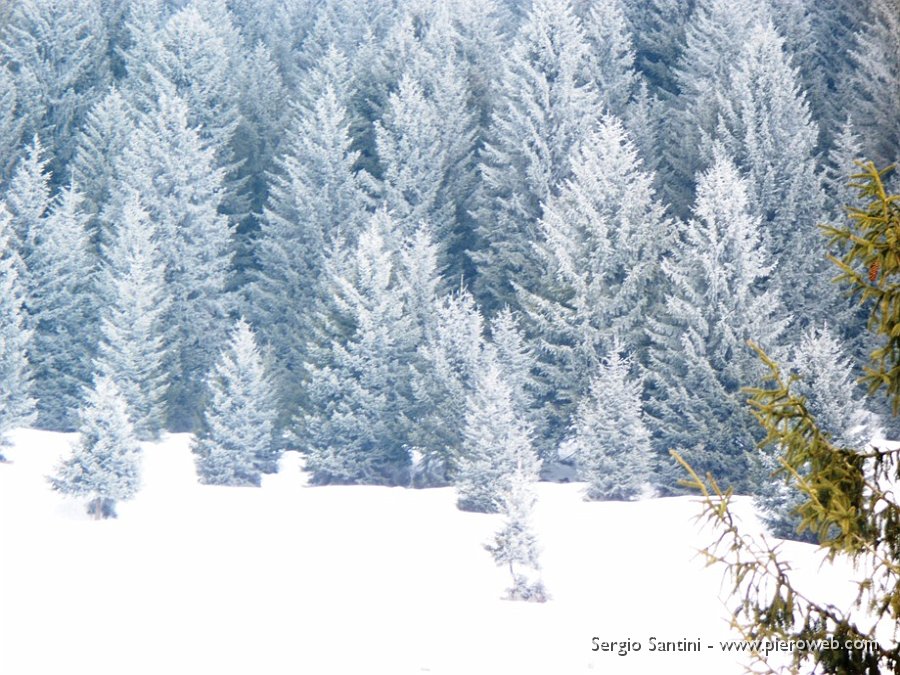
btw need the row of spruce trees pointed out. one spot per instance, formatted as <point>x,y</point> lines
<point>597,201</point>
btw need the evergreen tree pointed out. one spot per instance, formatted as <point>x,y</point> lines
<point>444,374</point>
<point>657,28</point>
<point>876,81</point>
<point>718,299</point>
<point>28,199</point>
<point>613,444</point>
<point>105,463</point>
<point>515,545</point>
<point>497,448</point>
<point>360,381</point>
<point>17,407</point>
<point>99,145</point>
<point>11,125</point>
<point>316,201</point>
<point>135,305</point>
<point>56,52</point>
<point>842,163</point>
<point>774,141</point>
<point>714,39</point>
<point>826,380</point>
<point>174,173</point>
<point>236,444</point>
<point>611,56</point>
<point>61,306</point>
<point>603,236</point>
<point>545,108</point>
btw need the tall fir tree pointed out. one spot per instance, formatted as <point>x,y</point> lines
<point>356,430</point>
<point>497,447</point>
<point>316,201</point>
<point>774,140</point>
<point>17,407</point>
<point>544,110</point>
<point>135,304</point>
<point>602,241</point>
<point>713,42</point>
<point>720,296</point>
<point>611,440</point>
<point>100,143</point>
<point>105,462</point>
<point>28,200</point>
<point>611,56</point>
<point>174,173</point>
<point>11,126</point>
<point>236,445</point>
<point>62,305</point>
<point>446,367</point>
<point>876,81</point>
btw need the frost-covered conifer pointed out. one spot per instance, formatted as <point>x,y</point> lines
<point>613,444</point>
<point>105,463</point>
<point>545,107</point>
<point>175,175</point>
<point>360,389</point>
<point>135,304</point>
<point>719,297</point>
<point>876,81</point>
<point>235,444</point>
<point>496,445</point>
<point>446,367</point>
<point>515,545</point>
<point>16,404</point>
<point>827,382</point>
<point>603,237</point>
<point>28,199</point>
<point>100,142</point>
<point>56,52</point>
<point>611,56</point>
<point>11,125</point>
<point>316,201</point>
<point>62,307</point>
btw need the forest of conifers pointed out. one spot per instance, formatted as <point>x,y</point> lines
<point>406,236</point>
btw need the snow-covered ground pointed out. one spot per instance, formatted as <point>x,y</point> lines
<point>291,579</point>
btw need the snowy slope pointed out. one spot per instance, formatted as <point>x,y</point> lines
<point>290,579</point>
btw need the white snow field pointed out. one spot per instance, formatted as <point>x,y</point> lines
<point>295,580</point>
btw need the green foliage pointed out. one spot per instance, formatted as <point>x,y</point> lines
<point>870,267</point>
<point>847,499</point>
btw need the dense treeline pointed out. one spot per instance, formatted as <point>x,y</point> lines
<point>357,226</point>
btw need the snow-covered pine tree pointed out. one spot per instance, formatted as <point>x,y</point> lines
<point>105,463</point>
<point>714,38</point>
<point>876,81</point>
<point>135,303</point>
<point>602,239</point>
<point>360,389</point>
<point>316,201</point>
<point>611,56</point>
<point>28,199</point>
<point>515,545</point>
<point>519,366</point>
<point>17,407</point>
<point>845,152</point>
<point>56,52</point>
<point>444,373</point>
<point>826,380</point>
<point>62,305</point>
<point>100,143</point>
<point>544,109</point>
<point>613,444</point>
<point>235,444</point>
<point>496,445</point>
<point>773,140</point>
<point>174,173</point>
<point>11,125</point>
<point>719,297</point>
